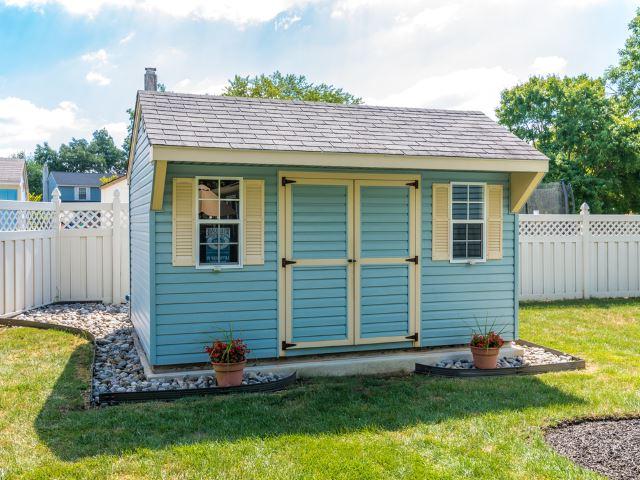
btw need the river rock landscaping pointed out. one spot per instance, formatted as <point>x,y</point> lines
<point>532,356</point>
<point>610,447</point>
<point>117,365</point>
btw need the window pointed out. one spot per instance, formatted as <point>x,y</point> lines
<point>467,221</point>
<point>219,221</point>
<point>82,193</point>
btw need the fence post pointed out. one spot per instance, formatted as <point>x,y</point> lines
<point>117,260</point>
<point>586,251</point>
<point>57,210</point>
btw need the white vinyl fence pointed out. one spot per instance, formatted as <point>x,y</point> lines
<point>62,252</point>
<point>579,256</point>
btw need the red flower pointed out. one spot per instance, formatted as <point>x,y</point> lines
<point>234,351</point>
<point>488,340</point>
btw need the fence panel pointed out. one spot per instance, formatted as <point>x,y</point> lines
<point>62,252</point>
<point>579,256</point>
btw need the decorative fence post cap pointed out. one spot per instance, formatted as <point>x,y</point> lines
<point>584,208</point>
<point>55,195</point>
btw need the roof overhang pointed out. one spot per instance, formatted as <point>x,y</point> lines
<point>526,174</point>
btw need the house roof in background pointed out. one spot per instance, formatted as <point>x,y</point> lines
<point>188,120</point>
<point>11,170</point>
<point>74,179</point>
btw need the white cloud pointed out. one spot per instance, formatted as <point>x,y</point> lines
<point>434,19</point>
<point>240,12</point>
<point>206,85</point>
<point>24,124</point>
<point>548,65</point>
<point>469,89</point>
<point>285,21</point>
<point>97,79</point>
<point>99,56</point>
<point>127,38</point>
<point>118,130</point>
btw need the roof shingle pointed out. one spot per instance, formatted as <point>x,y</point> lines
<point>176,119</point>
<point>11,170</point>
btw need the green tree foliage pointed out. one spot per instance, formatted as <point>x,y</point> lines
<point>624,78</point>
<point>591,138</point>
<point>287,87</point>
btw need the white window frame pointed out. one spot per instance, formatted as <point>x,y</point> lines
<point>87,195</point>
<point>239,221</point>
<point>483,222</point>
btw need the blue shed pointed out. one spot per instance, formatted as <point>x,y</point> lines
<point>73,186</point>
<point>317,228</point>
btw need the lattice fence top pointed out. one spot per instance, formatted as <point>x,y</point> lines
<point>544,228</point>
<point>614,227</point>
<point>86,219</point>
<point>16,220</point>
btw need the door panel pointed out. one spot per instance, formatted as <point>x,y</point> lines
<point>319,284</point>
<point>385,280</point>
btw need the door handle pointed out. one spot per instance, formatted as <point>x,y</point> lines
<point>352,260</point>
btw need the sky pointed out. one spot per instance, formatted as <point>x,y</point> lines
<point>69,67</point>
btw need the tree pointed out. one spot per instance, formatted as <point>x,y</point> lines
<point>103,146</point>
<point>624,78</point>
<point>287,87</point>
<point>585,133</point>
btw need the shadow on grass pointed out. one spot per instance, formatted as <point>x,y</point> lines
<point>319,406</point>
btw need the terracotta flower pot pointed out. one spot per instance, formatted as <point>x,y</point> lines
<point>229,374</point>
<point>485,358</point>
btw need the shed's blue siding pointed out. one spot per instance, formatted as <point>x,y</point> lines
<point>191,306</point>
<point>141,225</point>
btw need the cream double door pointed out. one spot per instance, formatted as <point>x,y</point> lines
<point>349,260</point>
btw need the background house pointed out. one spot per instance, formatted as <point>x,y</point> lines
<point>13,179</point>
<point>107,189</point>
<point>316,228</point>
<point>73,186</point>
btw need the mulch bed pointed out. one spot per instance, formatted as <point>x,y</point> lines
<point>609,447</point>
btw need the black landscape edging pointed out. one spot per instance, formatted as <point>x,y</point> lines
<point>575,364</point>
<point>116,397</point>
<point>14,322</point>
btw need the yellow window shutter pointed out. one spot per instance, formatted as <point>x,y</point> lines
<point>440,221</point>
<point>184,219</point>
<point>253,216</point>
<point>494,222</point>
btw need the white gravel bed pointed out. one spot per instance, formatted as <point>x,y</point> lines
<point>117,365</point>
<point>532,356</point>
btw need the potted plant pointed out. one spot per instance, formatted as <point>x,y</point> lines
<point>485,348</point>
<point>228,358</point>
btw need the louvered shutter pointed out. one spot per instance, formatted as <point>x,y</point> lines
<point>494,222</point>
<point>253,216</point>
<point>440,221</point>
<point>184,218</point>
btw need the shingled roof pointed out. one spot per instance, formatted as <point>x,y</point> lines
<point>176,119</point>
<point>76,179</point>
<point>11,170</point>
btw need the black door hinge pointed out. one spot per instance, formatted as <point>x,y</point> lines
<point>413,337</point>
<point>414,184</point>
<point>286,181</point>
<point>413,259</point>
<point>286,262</point>
<point>286,345</point>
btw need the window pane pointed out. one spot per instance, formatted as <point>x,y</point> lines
<point>474,249</point>
<point>208,189</point>
<point>459,211</point>
<point>230,189</point>
<point>459,231</point>
<point>459,193</point>
<point>208,254</point>
<point>230,210</point>
<point>208,209</point>
<point>214,233</point>
<point>229,253</point>
<point>476,211</point>
<point>475,193</point>
<point>474,231</point>
<point>459,249</point>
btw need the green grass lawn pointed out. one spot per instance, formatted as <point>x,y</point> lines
<point>402,427</point>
